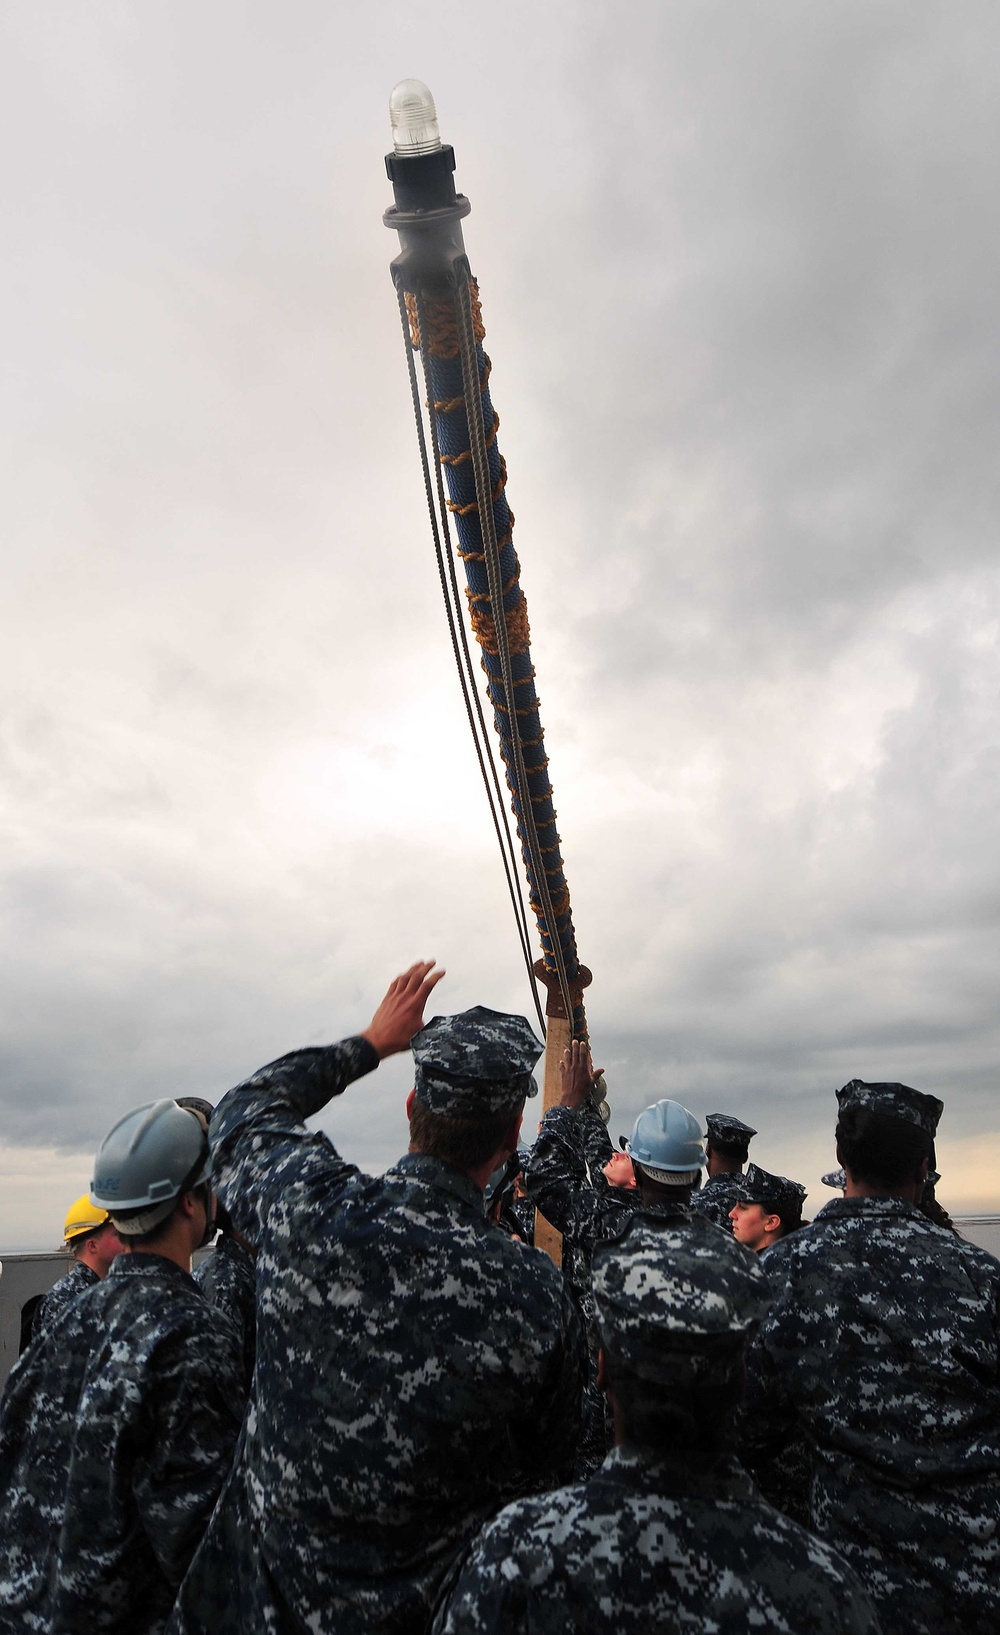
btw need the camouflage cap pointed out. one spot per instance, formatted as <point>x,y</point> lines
<point>675,1298</point>
<point>726,1131</point>
<point>474,1064</point>
<point>759,1186</point>
<point>893,1101</point>
<point>834,1178</point>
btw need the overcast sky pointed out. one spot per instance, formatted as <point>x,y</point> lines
<point>740,269</point>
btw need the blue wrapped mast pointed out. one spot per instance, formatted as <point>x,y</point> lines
<point>434,330</point>
<point>439,306</point>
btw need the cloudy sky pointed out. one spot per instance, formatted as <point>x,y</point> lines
<point>739,267</point>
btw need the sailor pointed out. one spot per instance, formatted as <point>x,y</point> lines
<point>663,1161</point>
<point>727,1148</point>
<point>227,1279</point>
<point>928,1201</point>
<point>506,1200</point>
<point>883,1345</point>
<point>118,1425</point>
<point>666,1149</point>
<point>669,1535</point>
<point>767,1208</point>
<point>92,1240</point>
<point>598,1148</point>
<point>226,1276</point>
<point>416,1367</point>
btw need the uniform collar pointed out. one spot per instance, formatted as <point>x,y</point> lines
<point>149,1266</point>
<point>841,1208</point>
<point>687,1478</point>
<point>228,1247</point>
<point>433,1172</point>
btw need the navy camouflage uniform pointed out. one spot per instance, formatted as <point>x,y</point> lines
<point>79,1278</point>
<point>116,1433</point>
<point>715,1198</point>
<point>598,1147</point>
<point>564,1179</point>
<point>718,1194</point>
<point>228,1280</point>
<point>653,1543</point>
<point>559,1182</point>
<point>775,1193</point>
<point>415,1366</point>
<point>882,1348</point>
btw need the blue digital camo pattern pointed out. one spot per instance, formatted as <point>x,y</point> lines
<point>715,1198</point>
<point>676,1279</point>
<point>563,1179</point>
<point>415,1368</point>
<point>893,1101</point>
<point>595,1149</point>
<point>227,1279</point>
<point>116,1432</point>
<point>882,1349</point>
<point>598,1147</point>
<point>475,1063</point>
<point>776,1192</point>
<point>558,1183</point>
<point>647,1547</point>
<point>62,1294</point>
<point>723,1130</point>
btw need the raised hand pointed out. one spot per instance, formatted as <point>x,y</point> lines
<point>401,1013</point>
<point>576,1074</point>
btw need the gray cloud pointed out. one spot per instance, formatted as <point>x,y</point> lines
<point>739,269</point>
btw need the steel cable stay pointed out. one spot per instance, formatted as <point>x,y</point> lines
<point>527,827</point>
<point>505,839</point>
<point>441,534</point>
<point>441,318</point>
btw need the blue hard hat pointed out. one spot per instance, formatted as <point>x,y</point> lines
<point>146,1161</point>
<point>667,1137</point>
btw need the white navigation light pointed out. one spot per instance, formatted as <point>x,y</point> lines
<point>414,119</point>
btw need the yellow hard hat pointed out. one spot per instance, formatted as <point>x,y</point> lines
<point>82,1216</point>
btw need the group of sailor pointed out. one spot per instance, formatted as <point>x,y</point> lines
<point>377,1407</point>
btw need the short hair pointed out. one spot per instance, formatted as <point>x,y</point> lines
<point>464,1142</point>
<point>789,1214</point>
<point>879,1150</point>
<point>732,1153</point>
<point>79,1240</point>
<point>687,1415</point>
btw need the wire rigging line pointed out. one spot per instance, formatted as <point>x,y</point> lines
<point>444,554</point>
<point>484,744</point>
<point>487,522</point>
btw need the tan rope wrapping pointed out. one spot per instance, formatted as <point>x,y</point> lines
<point>463,510</point>
<point>442,341</point>
<point>476,596</point>
<point>442,328</point>
<point>560,903</point>
<point>516,620</point>
<point>466,454</point>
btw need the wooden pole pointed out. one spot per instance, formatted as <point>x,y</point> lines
<point>558,1035</point>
